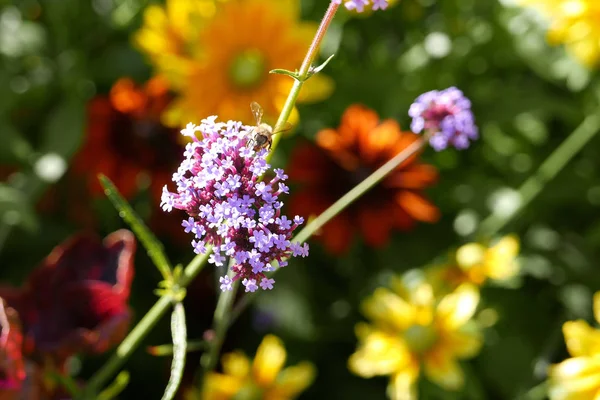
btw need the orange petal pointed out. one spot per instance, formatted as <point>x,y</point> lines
<point>375,224</point>
<point>417,206</point>
<point>416,176</point>
<point>375,144</point>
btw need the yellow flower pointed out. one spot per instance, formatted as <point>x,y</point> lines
<point>476,263</point>
<point>576,23</point>
<point>217,56</point>
<point>261,379</point>
<point>410,330</point>
<point>578,378</point>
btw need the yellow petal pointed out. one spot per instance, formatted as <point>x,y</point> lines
<point>236,364</point>
<point>269,359</point>
<point>501,258</point>
<point>458,307</point>
<point>403,384</point>
<point>444,370</point>
<point>597,306</point>
<point>380,354</point>
<point>464,342</point>
<point>581,339</point>
<point>218,386</point>
<point>470,255</point>
<point>387,308</point>
<point>575,378</point>
<point>293,380</point>
<point>317,88</point>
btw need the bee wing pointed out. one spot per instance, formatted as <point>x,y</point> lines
<point>286,127</point>
<point>257,111</point>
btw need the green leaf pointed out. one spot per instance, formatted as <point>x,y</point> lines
<point>153,246</point>
<point>115,388</point>
<point>66,381</point>
<point>16,209</point>
<point>286,72</point>
<point>179,334</point>
<point>64,129</point>
<point>316,70</point>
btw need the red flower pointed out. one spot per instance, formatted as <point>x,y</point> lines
<point>346,156</point>
<point>76,300</point>
<point>12,367</point>
<point>126,138</point>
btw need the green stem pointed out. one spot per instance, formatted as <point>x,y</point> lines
<point>359,190</point>
<point>139,332</point>
<point>546,172</point>
<point>311,54</point>
<point>340,205</point>
<point>220,324</point>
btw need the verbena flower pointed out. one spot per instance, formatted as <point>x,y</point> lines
<point>191,42</point>
<point>574,23</point>
<point>412,330</point>
<point>446,115</point>
<point>578,377</point>
<point>360,5</point>
<point>476,263</point>
<point>263,378</point>
<point>219,186</point>
<point>342,158</point>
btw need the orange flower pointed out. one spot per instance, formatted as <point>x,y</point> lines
<point>346,156</point>
<point>125,138</point>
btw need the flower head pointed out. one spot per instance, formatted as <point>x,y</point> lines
<point>264,378</point>
<point>219,186</point>
<point>76,300</point>
<point>12,367</point>
<point>197,45</point>
<point>341,159</point>
<point>578,377</point>
<point>476,263</point>
<point>576,23</point>
<point>359,5</point>
<point>411,329</point>
<point>445,115</point>
<point>126,138</point>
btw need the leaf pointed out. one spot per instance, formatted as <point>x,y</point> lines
<point>115,388</point>
<point>316,70</point>
<point>179,334</point>
<point>286,72</point>
<point>153,246</point>
<point>15,208</point>
<point>64,129</point>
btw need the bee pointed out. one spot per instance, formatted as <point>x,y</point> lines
<point>262,134</point>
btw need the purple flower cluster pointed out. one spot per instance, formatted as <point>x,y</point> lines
<point>359,5</point>
<point>447,116</point>
<point>218,185</point>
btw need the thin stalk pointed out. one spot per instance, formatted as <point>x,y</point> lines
<point>220,324</point>
<point>310,56</point>
<point>141,330</point>
<point>545,173</point>
<point>223,315</point>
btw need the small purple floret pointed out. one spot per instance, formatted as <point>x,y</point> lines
<point>219,186</point>
<point>359,5</point>
<point>447,116</point>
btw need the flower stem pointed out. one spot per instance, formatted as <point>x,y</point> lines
<point>223,315</point>
<point>546,172</point>
<point>311,54</point>
<point>340,205</point>
<point>220,323</point>
<point>139,332</point>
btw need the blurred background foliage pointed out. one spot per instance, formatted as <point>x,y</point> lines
<point>56,56</point>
